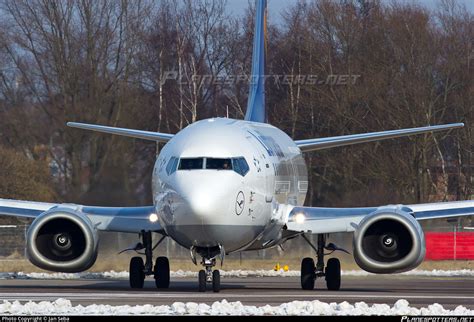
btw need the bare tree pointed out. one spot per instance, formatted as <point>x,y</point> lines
<point>75,59</point>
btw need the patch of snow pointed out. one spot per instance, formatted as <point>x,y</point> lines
<point>437,272</point>
<point>231,273</point>
<point>416,272</point>
<point>64,307</point>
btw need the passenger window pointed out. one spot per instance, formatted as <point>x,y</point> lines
<point>218,164</point>
<point>240,166</point>
<point>171,167</point>
<point>191,164</point>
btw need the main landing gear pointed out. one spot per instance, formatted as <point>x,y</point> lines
<point>139,270</point>
<point>310,272</point>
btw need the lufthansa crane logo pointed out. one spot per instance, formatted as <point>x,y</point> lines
<point>239,203</point>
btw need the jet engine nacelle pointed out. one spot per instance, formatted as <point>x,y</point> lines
<point>62,240</point>
<point>389,241</point>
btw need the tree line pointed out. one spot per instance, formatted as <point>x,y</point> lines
<point>141,64</point>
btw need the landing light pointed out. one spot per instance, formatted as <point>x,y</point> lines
<point>153,217</point>
<point>300,218</point>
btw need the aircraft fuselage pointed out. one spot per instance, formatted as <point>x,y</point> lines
<point>221,182</point>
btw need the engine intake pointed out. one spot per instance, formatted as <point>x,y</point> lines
<point>62,240</point>
<point>389,241</point>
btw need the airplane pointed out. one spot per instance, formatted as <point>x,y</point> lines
<point>222,186</point>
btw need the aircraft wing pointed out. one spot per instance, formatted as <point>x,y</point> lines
<point>138,134</point>
<point>334,220</point>
<point>116,219</point>
<point>336,141</point>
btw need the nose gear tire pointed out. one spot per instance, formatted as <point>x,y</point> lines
<point>202,280</point>
<point>216,281</point>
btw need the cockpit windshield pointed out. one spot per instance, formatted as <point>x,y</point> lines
<point>218,164</point>
<point>191,164</point>
<point>238,165</point>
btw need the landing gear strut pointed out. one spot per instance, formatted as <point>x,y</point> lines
<point>310,272</point>
<point>139,270</point>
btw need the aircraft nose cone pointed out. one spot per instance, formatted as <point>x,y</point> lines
<point>204,210</point>
<point>201,203</point>
<point>205,196</point>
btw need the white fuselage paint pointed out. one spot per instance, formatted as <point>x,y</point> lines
<point>208,208</point>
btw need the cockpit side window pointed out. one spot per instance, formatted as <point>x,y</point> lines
<point>191,164</point>
<point>218,164</point>
<point>240,166</point>
<point>171,166</point>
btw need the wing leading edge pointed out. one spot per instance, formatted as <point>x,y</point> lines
<point>116,219</point>
<point>336,141</point>
<point>335,220</point>
<point>137,134</point>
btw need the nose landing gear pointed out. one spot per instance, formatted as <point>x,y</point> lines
<point>208,276</point>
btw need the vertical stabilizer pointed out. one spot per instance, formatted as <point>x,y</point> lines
<point>256,103</point>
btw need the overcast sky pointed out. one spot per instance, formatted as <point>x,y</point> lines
<point>276,6</point>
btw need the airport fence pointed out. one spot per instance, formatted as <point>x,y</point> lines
<point>13,242</point>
